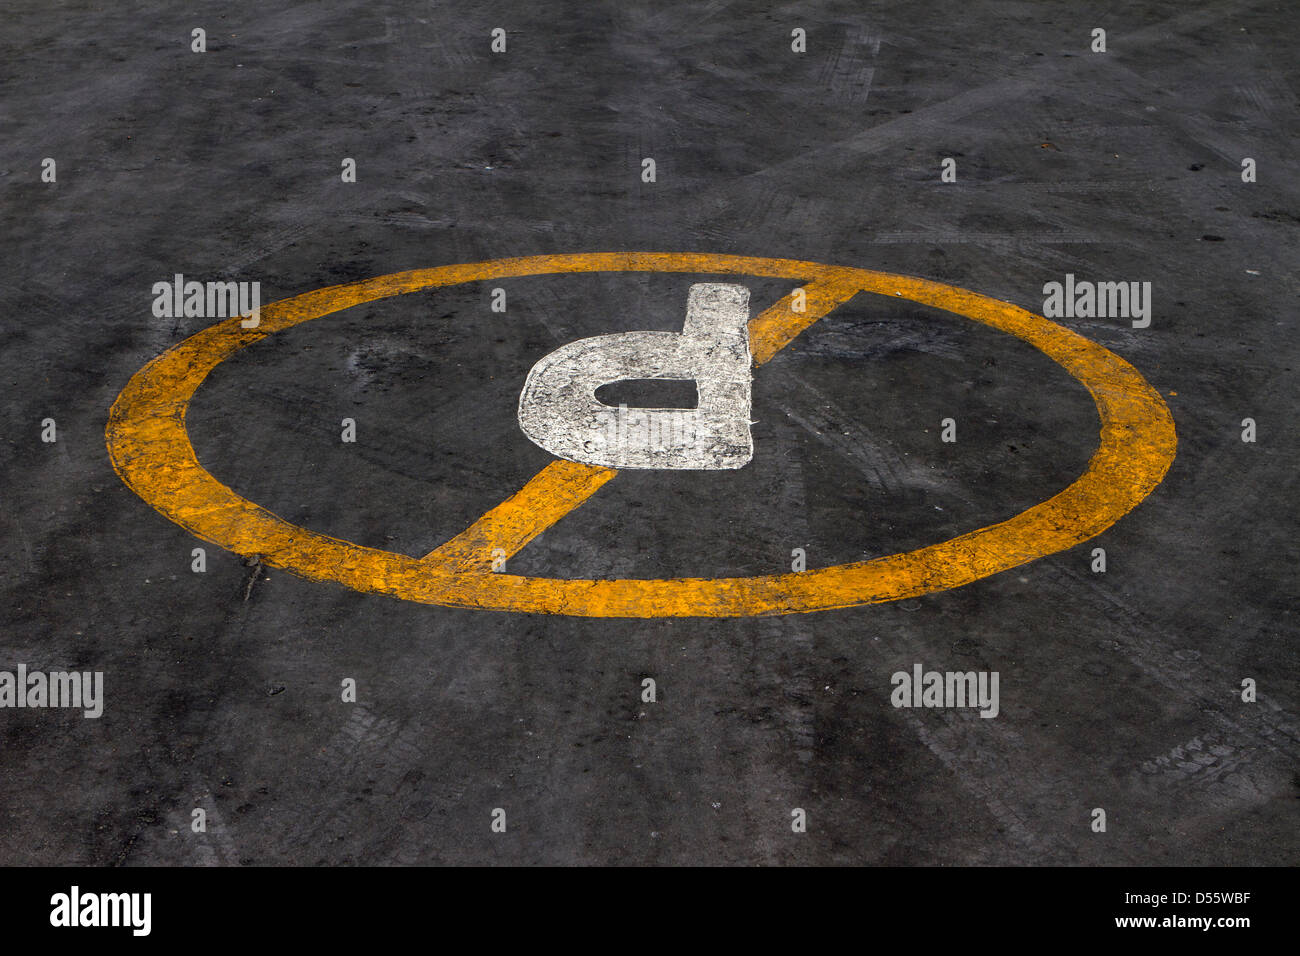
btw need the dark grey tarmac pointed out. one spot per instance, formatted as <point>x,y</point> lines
<point>1120,691</point>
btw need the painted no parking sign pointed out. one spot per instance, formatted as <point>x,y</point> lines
<point>151,451</point>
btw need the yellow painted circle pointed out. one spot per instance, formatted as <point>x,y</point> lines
<point>151,451</point>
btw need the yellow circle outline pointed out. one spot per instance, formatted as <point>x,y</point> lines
<point>151,451</point>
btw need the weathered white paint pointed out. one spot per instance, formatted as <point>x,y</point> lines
<point>559,411</point>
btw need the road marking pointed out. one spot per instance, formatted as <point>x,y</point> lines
<point>559,410</point>
<point>150,448</point>
<point>555,490</point>
<point>773,329</point>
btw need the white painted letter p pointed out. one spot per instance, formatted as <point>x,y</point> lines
<point>559,411</point>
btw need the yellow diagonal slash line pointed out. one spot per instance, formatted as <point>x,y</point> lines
<point>552,493</point>
<point>564,485</point>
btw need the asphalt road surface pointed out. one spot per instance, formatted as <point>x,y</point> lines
<point>223,690</point>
